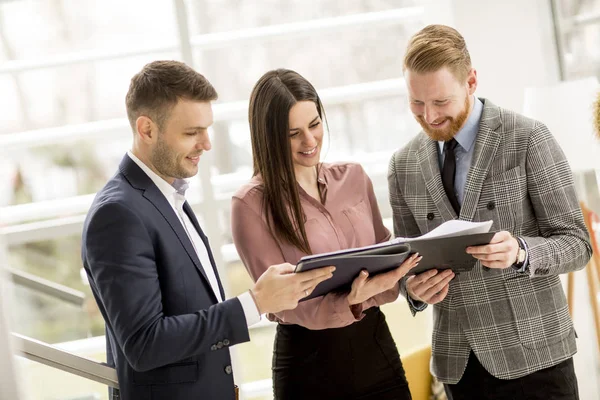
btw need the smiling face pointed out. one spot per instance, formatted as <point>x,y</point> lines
<point>306,135</point>
<point>440,102</point>
<point>174,152</point>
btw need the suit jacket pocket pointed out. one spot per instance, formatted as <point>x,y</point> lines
<point>508,175</point>
<point>183,372</point>
<point>504,199</point>
<point>540,309</point>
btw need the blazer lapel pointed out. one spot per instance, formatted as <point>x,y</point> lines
<point>486,145</point>
<point>188,210</point>
<point>155,196</point>
<point>427,158</point>
<point>139,180</point>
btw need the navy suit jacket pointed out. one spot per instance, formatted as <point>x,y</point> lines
<point>166,334</point>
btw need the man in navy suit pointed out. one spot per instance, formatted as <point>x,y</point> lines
<point>150,266</point>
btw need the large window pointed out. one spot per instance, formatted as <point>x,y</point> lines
<point>65,67</point>
<point>577,26</point>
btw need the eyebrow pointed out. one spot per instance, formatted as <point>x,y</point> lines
<point>195,128</point>
<point>311,122</point>
<point>434,101</point>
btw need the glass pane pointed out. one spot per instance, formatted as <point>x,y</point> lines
<point>246,14</point>
<point>66,26</point>
<point>41,382</point>
<point>581,52</point>
<point>41,316</point>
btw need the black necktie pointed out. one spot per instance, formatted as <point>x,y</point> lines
<point>448,173</point>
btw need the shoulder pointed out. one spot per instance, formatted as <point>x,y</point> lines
<point>511,124</point>
<point>250,193</point>
<point>515,120</point>
<point>339,169</point>
<point>404,153</point>
<point>115,200</point>
<point>345,172</point>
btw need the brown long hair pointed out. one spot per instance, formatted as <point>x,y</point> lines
<point>273,96</point>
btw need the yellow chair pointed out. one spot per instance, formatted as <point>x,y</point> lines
<point>416,366</point>
<point>592,222</point>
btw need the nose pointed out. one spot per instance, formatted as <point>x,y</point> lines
<point>204,143</point>
<point>309,139</point>
<point>430,114</point>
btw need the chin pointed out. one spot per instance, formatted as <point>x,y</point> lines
<point>438,134</point>
<point>188,173</point>
<point>311,163</point>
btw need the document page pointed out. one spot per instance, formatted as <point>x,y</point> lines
<point>454,227</point>
<point>447,229</point>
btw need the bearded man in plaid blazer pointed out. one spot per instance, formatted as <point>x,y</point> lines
<point>502,331</point>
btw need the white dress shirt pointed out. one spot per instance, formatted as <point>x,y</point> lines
<point>176,199</point>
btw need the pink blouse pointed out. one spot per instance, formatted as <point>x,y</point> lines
<point>349,217</point>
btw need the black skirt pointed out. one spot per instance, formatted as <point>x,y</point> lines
<point>359,361</point>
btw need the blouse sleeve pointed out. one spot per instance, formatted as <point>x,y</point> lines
<point>382,234</point>
<point>258,250</point>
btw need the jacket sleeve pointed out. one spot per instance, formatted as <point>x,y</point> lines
<point>563,242</point>
<point>120,259</point>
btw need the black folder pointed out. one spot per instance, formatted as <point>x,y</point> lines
<point>438,252</point>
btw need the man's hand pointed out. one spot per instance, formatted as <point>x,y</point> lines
<point>501,252</point>
<point>429,287</point>
<point>279,288</point>
<point>363,287</point>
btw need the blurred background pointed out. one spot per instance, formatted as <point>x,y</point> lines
<point>65,67</point>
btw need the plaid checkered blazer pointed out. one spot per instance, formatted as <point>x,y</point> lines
<point>515,323</point>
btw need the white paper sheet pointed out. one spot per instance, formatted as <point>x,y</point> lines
<point>454,227</point>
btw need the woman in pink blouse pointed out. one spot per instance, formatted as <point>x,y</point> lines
<point>337,345</point>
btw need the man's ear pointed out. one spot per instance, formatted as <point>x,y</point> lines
<point>145,129</point>
<point>472,81</point>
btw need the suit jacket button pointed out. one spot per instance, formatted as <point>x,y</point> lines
<point>491,205</point>
<point>228,370</point>
<point>213,347</point>
<point>430,216</point>
<point>226,342</point>
<point>220,345</point>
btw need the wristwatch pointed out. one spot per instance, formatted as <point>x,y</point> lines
<point>521,255</point>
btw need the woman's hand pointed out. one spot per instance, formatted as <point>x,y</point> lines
<point>364,287</point>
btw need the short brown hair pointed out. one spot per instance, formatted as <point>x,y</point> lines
<point>597,114</point>
<point>435,47</point>
<point>155,90</point>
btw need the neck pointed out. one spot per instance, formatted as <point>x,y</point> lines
<point>143,157</point>
<point>306,177</point>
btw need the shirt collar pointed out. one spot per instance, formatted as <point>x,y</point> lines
<point>321,177</point>
<point>468,133</point>
<point>166,189</point>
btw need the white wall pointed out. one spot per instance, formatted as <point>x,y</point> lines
<point>511,43</point>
